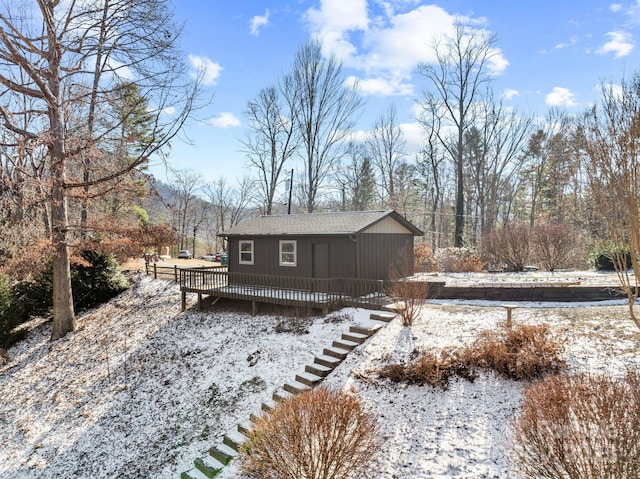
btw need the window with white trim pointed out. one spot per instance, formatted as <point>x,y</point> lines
<point>288,253</point>
<point>246,251</point>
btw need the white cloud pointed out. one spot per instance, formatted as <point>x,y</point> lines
<point>258,22</point>
<point>382,86</point>
<point>620,43</point>
<point>334,20</point>
<point>224,120</point>
<point>509,93</point>
<point>209,71</point>
<point>615,7</point>
<point>387,40</point>
<point>560,97</point>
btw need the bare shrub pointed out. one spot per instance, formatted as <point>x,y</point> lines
<point>409,297</point>
<point>319,434</point>
<point>579,427</point>
<point>507,247</point>
<point>458,260</point>
<point>557,245</point>
<point>520,352</point>
<point>432,369</point>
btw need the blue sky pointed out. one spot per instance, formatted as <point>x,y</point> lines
<point>551,54</point>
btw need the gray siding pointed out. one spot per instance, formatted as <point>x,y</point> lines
<point>367,256</point>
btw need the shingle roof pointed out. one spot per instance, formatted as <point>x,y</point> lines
<point>340,223</point>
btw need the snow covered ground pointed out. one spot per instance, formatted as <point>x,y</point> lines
<point>141,389</point>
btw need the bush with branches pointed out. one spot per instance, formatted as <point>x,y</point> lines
<point>458,260</point>
<point>556,246</point>
<point>606,253</point>
<point>579,427</point>
<point>507,247</point>
<point>318,434</point>
<point>409,296</point>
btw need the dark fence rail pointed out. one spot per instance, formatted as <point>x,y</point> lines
<point>307,292</point>
<point>173,272</point>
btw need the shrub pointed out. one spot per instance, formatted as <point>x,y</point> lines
<point>458,260</point>
<point>423,258</point>
<point>409,297</point>
<point>95,281</point>
<point>579,427</point>
<point>319,434</point>
<point>521,352</point>
<point>10,315</point>
<point>603,256</point>
<point>557,245</point>
<point>431,369</point>
<point>507,247</point>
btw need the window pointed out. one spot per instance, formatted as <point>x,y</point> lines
<point>246,252</point>
<point>288,254</point>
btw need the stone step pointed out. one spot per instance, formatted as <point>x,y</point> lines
<point>344,344</point>
<point>281,395</point>
<point>295,387</point>
<point>367,330</point>
<point>268,406</point>
<point>245,428</point>
<point>337,353</point>
<point>328,361</point>
<point>253,417</point>
<point>318,369</point>
<point>223,453</point>
<point>383,316</point>
<point>234,439</point>
<point>194,474</point>
<point>308,379</point>
<point>208,466</point>
<point>355,337</point>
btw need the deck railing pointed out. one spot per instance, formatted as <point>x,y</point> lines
<point>310,292</point>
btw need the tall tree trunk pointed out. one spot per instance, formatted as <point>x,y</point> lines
<point>64,319</point>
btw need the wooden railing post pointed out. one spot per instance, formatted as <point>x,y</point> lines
<point>175,273</point>
<point>155,271</point>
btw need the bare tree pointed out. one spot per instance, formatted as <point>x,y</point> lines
<point>611,134</point>
<point>458,78</point>
<point>493,167</point>
<point>48,54</point>
<point>271,142</point>
<point>386,146</point>
<point>185,184</point>
<point>324,112</point>
<point>229,204</point>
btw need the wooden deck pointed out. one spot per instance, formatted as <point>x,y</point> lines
<point>310,293</point>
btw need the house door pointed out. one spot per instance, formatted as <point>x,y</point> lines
<point>320,261</point>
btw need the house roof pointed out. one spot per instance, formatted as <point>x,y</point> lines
<point>335,223</point>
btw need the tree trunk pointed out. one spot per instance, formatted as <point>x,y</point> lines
<point>64,320</point>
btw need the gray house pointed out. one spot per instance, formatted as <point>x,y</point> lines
<point>360,244</point>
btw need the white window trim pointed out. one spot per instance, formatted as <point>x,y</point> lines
<point>240,243</point>
<point>295,253</point>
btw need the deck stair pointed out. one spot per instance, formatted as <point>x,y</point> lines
<point>209,466</point>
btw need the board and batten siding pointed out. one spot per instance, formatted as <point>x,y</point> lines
<point>342,256</point>
<point>382,256</point>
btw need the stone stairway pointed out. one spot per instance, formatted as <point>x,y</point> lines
<point>219,456</point>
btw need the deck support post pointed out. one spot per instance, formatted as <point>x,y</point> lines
<point>254,308</point>
<point>184,300</point>
<point>199,301</point>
